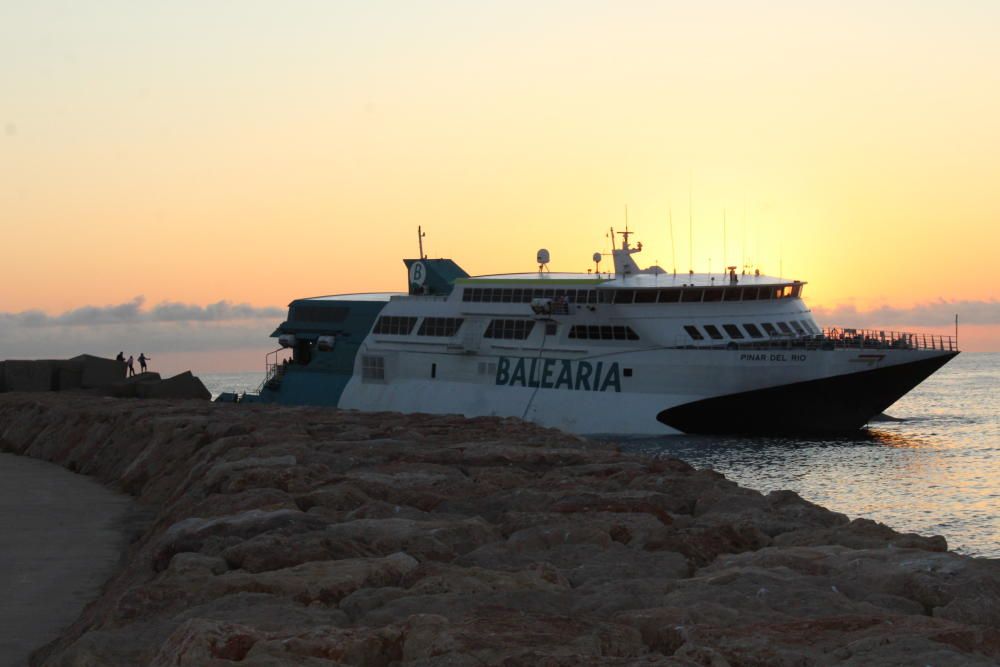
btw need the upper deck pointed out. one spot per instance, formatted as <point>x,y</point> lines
<point>635,281</point>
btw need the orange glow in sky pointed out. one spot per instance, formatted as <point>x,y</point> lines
<point>255,152</point>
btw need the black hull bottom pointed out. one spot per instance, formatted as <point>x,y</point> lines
<point>831,405</point>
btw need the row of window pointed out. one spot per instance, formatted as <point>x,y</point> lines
<point>594,332</point>
<point>626,296</point>
<point>394,325</point>
<point>790,328</point>
<point>304,313</point>
<point>509,329</point>
<point>439,326</point>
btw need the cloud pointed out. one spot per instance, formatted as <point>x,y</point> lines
<point>935,313</point>
<point>131,312</point>
<point>166,327</point>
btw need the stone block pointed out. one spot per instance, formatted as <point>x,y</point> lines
<point>184,385</point>
<point>68,377</point>
<point>99,372</point>
<point>27,375</point>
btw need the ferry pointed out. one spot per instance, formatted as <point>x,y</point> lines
<point>638,352</point>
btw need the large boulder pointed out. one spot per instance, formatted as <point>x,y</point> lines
<point>184,385</point>
<point>97,372</point>
<point>27,375</point>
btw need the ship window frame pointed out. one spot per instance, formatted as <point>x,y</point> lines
<point>797,291</point>
<point>693,332</point>
<point>798,327</point>
<point>712,295</point>
<point>753,330</point>
<point>731,294</point>
<point>372,368</point>
<point>668,296</point>
<point>394,325</point>
<point>769,329</point>
<point>642,295</point>
<point>749,294</point>
<point>624,296</point>
<point>602,332</point>
<point>712,331</point>
<point>733,331</point>
<point>688,295</point>
<point>442,327</point>
<point>509,329</point>
<point>784,328</point>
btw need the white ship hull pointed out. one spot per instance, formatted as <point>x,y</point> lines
<point>659,380</point>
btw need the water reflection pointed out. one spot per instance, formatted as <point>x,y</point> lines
<point>934,471</point>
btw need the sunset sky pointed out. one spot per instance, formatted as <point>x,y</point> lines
<point>157,159</point>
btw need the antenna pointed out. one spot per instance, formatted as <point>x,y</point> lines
<point>743,253</point>
<point>673,252</point>
<point>724,263</point>
<point>420,240</point>
<point>690,225</point>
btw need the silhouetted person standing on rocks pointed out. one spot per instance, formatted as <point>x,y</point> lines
<point>142,362</point>
<point>120,357</point>
<point>131,366</point>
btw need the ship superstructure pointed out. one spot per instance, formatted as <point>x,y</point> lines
<point>633,352</point>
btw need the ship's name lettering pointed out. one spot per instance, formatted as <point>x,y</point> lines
<point>758,356</point>
<point>558,374</point>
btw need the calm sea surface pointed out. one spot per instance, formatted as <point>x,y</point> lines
<point>936,471</point>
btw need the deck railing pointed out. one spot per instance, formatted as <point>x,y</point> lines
<point>273,369</point>
<point>882,340</point>
<point>835,338</point>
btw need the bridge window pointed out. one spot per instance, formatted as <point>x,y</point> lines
<point>372,367</point>
<point>749,293</point>
<point>670,295</point>
<point>798,327</point>
<point>624,295</point>
<point>509,329</point>
<point>691,295</point>
<point>439,326</point>
<point>602,332</point>
<point>645,296</point>
<point>769,328</point>
<point>753,330</point>
<point>394,325</point>
<point>713,332</point>
<point>732,294</point>
<point>810,327</point>
<point>693,332</point>
<point>785,329</point>
<point>713,294</point>
<point>796,291</point>
<point>733,330</point>
<point>317,313</point>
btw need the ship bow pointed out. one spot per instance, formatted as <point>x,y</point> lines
<point>834,404</point>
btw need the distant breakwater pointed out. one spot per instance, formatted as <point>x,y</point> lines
<point>307,536</point>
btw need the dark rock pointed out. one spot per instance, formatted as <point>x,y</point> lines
<point>314,537</point>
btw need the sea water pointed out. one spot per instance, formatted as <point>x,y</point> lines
<point>936,471</point>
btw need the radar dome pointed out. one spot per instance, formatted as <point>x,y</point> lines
<point>543,256</point>
<point>597,258</point>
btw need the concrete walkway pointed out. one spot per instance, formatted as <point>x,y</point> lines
<point>61,537</point>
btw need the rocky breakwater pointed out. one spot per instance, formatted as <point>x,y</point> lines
<point>316,537</point>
